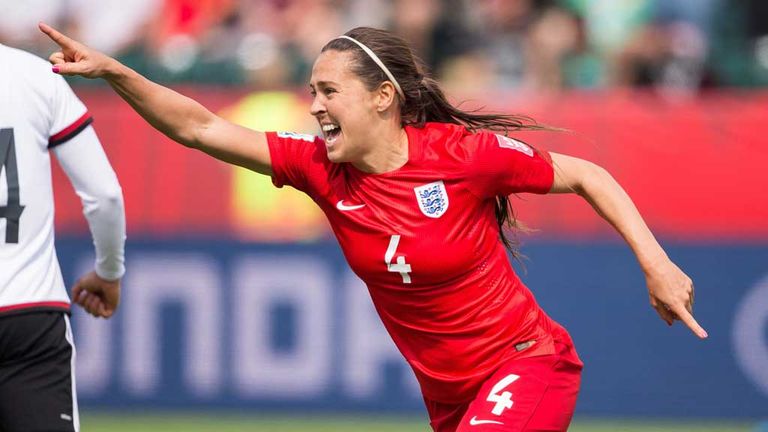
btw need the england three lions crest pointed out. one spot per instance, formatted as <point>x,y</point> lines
<point>432,198</point>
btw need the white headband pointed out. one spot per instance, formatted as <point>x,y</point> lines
<point>376,59</point>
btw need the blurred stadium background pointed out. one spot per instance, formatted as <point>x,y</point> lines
<point>239,313</point>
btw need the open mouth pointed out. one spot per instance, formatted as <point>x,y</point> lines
<point>331,132</point>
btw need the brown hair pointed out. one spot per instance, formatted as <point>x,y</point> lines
<point>425,101</point>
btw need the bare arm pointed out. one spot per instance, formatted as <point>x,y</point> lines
<point>179,117</point>
<point>670,290</point>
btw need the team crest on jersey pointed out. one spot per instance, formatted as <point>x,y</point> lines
<point>509,143</point>
<point>432,198</point>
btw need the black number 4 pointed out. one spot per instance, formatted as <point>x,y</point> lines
<point>13,209</point>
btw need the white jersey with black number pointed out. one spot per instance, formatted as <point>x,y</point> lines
<point>38,111</point>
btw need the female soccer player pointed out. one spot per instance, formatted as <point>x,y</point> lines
<point>415,191</point>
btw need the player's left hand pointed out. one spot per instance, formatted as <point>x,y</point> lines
<point>99,297</point>
<point>671,294</point>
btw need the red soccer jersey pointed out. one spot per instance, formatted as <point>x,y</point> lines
<point>425,241</point>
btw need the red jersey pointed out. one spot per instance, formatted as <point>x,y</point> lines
<point>425,241</point>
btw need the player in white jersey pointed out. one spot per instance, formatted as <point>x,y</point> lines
<point>39,113</point>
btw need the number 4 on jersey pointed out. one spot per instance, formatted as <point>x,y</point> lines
<point>400,266</point>
<point>503,399</point>
<point>11,211</point>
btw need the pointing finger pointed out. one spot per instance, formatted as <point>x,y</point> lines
<point>58,37</point>
<point>688,320</point>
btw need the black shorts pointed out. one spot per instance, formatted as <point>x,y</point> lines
<point>37,385</point>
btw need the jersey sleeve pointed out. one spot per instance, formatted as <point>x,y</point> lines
<point>499,165</point>
<point>87,167</point>
<point>291,155</point>
<point>70,115</point>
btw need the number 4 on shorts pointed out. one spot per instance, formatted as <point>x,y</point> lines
<point>503,399</point>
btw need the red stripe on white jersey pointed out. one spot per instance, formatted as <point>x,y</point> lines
<point>70,131</point>
<point>34,305</point>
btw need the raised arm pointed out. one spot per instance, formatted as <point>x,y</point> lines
<point>670,290</point>
<point>180,118</point>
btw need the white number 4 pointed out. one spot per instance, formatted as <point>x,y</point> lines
<point>503,400</point>
<point>400,266</point>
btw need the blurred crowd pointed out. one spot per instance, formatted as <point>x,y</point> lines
<point>675,46</point>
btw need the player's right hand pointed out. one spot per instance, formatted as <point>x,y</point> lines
<point>76,58</point>
<point>671,294</point>
<point>99,297</point>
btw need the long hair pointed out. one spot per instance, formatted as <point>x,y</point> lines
<point>425,101</point>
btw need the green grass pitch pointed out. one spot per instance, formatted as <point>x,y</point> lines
<point>227,422</point>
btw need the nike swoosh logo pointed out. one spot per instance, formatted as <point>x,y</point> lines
<point>343,207</point>
<point>474,421</point>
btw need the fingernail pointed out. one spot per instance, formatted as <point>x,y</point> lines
<point>55,69</point>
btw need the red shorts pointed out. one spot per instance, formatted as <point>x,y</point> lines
<point>528,394</point>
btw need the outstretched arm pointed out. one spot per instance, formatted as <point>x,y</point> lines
<point>179,117</point>
<point>670,290</point>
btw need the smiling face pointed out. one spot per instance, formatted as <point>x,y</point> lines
<point>347,111</point>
